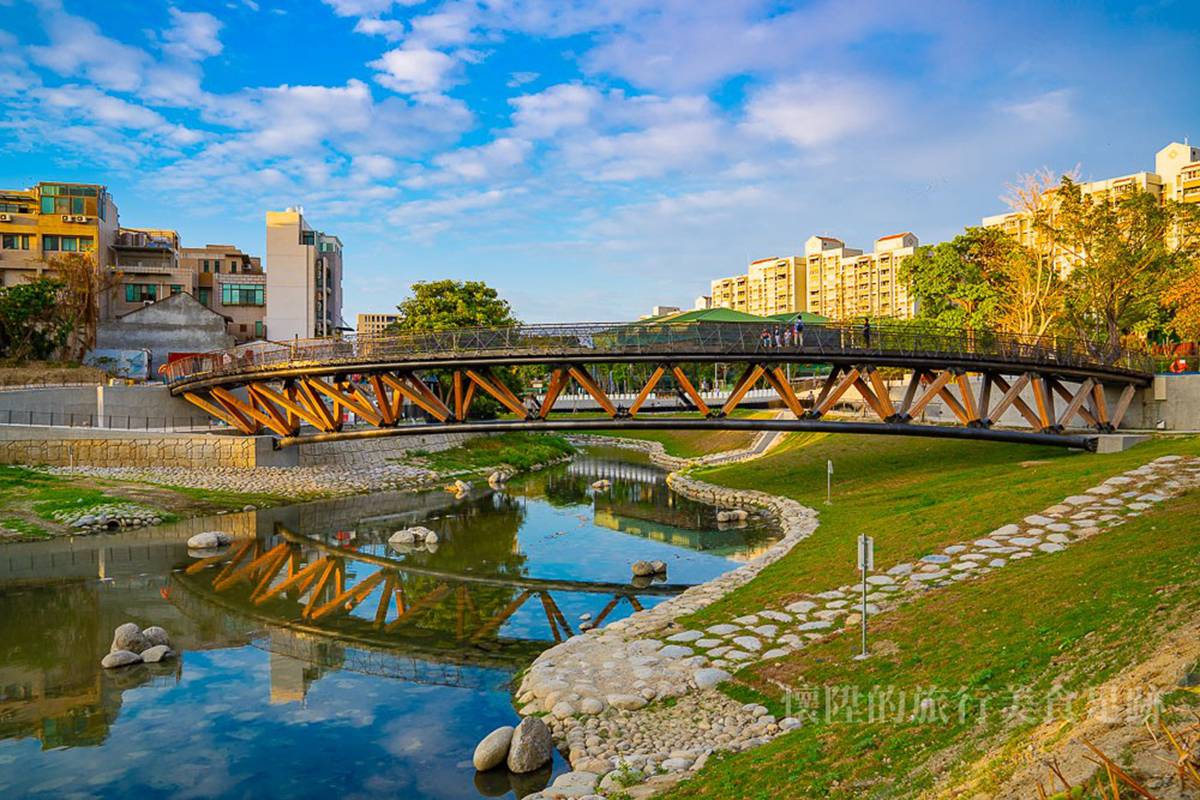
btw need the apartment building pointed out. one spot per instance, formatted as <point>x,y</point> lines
<point>304,279</point>
<point>49,220</point>
<point>144,268</point>
<point>1176,177</point>
<point>231,283</point>
<point>830,280</point>
<point>846,283</point>
<point>374,324</point>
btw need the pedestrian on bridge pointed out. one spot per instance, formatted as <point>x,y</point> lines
<point>866,332</point>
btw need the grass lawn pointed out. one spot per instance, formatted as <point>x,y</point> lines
<point>912,495</point>
<point>520,450</point>
<point>693,444</point>
<point>1068,621</point>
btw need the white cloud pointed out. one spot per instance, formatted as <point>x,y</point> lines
<point>193,35</point>
<point>1049,109</point>
<point>814,110</point>
<point>521,78</point>
<point>390,29</point>
<point>373,166</point>
<point>355,8</point>
<point>411,71</point>
<point>99,107</point>
<point>567,105</point>
<point>485,162</point>
<point>77,48</point>
<point>451,27</point>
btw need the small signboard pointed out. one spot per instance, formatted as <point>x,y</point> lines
<point>866,553</point>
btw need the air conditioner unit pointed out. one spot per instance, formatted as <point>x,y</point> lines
<point>79,218</point>
<point>6,217</point>
<point>66,218</point>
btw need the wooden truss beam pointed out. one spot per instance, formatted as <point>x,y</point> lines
<point>349,399</point>
<point>1012,397</point>
<point>296,410</point>
<point>644,394</point>
<point>910,394</point>
<point>931,391</point>
<point>779,382</point>
<point>504,613</point>
<point>689,390</point>
<point>558,382</point>
<point>832,397</point>
<point>584,379</point>
<point>881,394</point>
<point>348,599</point>
<point>1075,402</point>
<point>218,412</point>
<point>316,407</point>
<point>1044,399</point>
<point>1122,406</point>
<point>414,389</point>
<point>952,402</point>
<point>744,384</point>
<point>388,407</point>
<point>426,602</point>
<point>496,388</point>
<point>869,397</point>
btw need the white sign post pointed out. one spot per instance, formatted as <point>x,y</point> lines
<point>866,563</point>
<point>829,482</point>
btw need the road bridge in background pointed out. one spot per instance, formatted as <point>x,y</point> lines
<point>302,391</point>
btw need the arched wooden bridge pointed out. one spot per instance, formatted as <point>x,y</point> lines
<point>1055,384</point>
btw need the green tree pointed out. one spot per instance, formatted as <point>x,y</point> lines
<point>962,283</point>
<point>1123,253</point>
<point>448,304</point>
<point>33,321</point>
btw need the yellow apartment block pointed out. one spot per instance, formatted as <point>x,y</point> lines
<point>830,279</point>
<point>52,219</point>
<point>845,283</point>
<point>1176,177</point>
<point>374,324</point>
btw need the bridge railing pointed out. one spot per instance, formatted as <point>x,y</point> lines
<point>736,341</point>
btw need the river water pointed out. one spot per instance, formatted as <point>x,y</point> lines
<point>266,700</point>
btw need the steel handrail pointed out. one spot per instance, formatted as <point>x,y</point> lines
<point>735,340</point>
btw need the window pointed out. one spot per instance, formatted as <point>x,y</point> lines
<point>204,264</point>
<point>67,244</point>
<point>13,208</point>
<point>204,295</point>
<point>76,205</point>
<point>140,292</point>
<point>15,241</point>
<point>176,288</point>
<point>233,266</point>
<point>242,328</point>
<point>242,294</point>
<point>47,205</point>
<point>307,237</point>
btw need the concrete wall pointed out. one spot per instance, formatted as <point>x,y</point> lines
<point>138,406</point>
<point>290,264</point>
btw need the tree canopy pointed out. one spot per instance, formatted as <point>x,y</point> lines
<point>34,321</point>
<point>447,304</point>
<point>961,282</point>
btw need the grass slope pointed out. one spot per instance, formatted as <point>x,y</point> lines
<point>520,450</point>
<point>1053,625</point>
<point>912,495</point>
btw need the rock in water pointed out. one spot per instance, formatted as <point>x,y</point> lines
<point>156,636</point>
<point>208,540</point>
<point>531,746</point>
<point>431,538</point>
<point>602,484</point>
<point>152,655</point>
<point>642,569</point>
<point>493,749</point>
<point>128,637</point>
<point>120,658</point>
<point>660,567</point>
<point>401,537</point>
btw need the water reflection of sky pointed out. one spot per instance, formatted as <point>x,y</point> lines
<point>245,716</point>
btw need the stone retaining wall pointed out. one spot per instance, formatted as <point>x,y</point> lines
<point>64,447</point>
<point>370,452</point>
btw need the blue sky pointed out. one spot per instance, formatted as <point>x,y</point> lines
<point>589,159</point>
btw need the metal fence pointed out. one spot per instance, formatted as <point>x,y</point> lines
<point>734,341</point>
<point>120,422</point>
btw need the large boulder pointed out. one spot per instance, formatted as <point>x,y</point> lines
<point>209,540</point>
<point>120,658</point>
<point>128,637</point>
<point>156,636</point>
<point>531,746</point>
<point>152,655</point>
<point>642,569</point>
<point>492,750</point>
<point>402,537</point>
